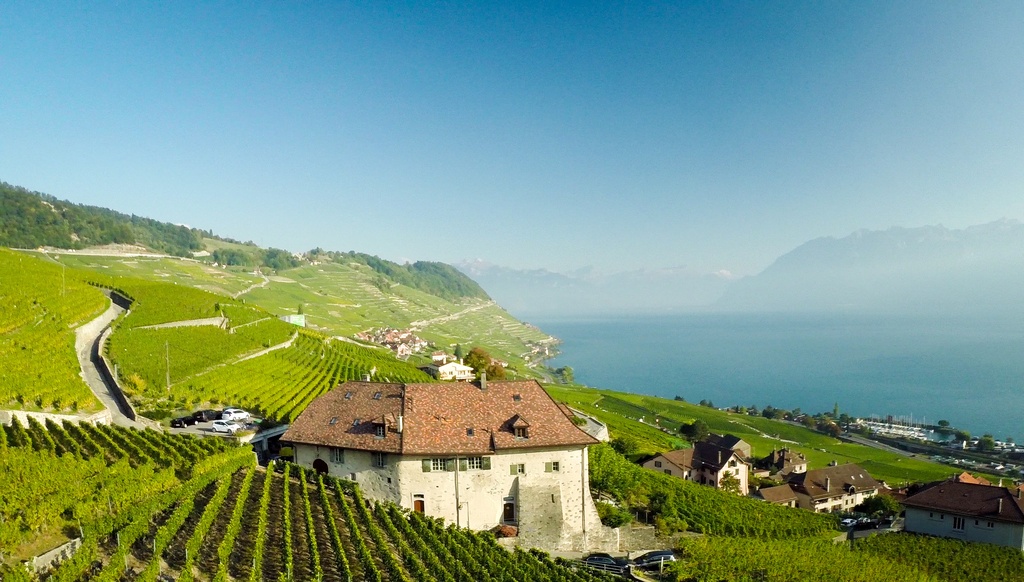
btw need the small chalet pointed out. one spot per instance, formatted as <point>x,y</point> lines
<point>452,371</point>
<point>835,488</point>
<point>782,463</point>
<point>707,463</point>
<point>477,455</point>
<point>968,511</point>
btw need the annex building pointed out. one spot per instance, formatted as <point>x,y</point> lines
<point>477,455</point>
<point>971,512</point>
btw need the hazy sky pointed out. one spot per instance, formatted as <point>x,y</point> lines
<point>711,135</point>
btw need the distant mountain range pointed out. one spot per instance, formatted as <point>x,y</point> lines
<point>539,292</point>
<point>979,269</point>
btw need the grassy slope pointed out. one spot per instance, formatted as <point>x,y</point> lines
<point>341,300</point>
<point>621,411</point>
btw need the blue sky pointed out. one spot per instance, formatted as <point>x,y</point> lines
<point>619,136</point>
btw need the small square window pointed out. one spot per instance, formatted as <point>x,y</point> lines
<point>517,397</point>
<point>380,430</point>
<point>474,462</point>
<point>520,432</point>
<point>348,396</point>
<point>377,395</point>
<point>337,455</point>
<point>657,464</point>
<point>334,420</point>
<point>521,469</point>
<point>469,431</point>
<point>554,466</point>
<point>437,464</point>
<point>355,422</point>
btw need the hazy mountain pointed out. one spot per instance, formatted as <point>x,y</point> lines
<point>585,292</point>
<point>976,270</point>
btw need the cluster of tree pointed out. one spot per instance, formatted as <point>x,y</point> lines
<point>696,431</point>
<point>482,362</point>
<point>31,219</point>
<point>566,374</point>
<point>438,279</point>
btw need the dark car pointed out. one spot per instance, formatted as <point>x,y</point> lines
<point>606,562</point>
<point>654,559</point>
<point>206,415</point>
<point>183,422</point>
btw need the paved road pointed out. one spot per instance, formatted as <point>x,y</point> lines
<point>86,339</point>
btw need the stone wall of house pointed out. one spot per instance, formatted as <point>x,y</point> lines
<point>553,507</point>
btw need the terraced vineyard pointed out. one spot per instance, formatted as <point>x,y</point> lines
<point>59,478</point>
<point>294,525</point>
<point>282,383</point>
<point>40,305</point>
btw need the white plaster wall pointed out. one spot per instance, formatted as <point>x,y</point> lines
<point>358,466</point>
<point>939,524</point>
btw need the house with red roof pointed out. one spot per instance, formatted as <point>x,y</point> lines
<point>968,511</point>
<point>477,455</point>
<point>709,462</point>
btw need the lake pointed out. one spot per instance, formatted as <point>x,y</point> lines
<point>969,372</point>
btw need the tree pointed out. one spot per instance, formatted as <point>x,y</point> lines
<point>987,443</point>
<point>730,483</point>
<point>680,398</point>
<point>944,423</point>
<point>495,371</point>
<point>625,445</point>
<point>880,504</point>
<point>962,435</point>
<point>696,431</point>
<point>458,352</point>
<point>479,360</point>
<point>566,372</point>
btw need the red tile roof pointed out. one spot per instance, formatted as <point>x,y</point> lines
<point>834,481</point>
<point>435,418</point>
<point>994,503</point>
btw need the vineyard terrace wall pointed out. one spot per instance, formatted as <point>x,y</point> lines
<point>544,492</point>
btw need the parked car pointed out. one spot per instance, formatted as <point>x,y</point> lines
<point>654,559</point>
<point>607,562</point>
<point>183,421</point>
<point>225,426</point>
<point>848,522</point>
<point>234,414</point>
<point>206,415</point>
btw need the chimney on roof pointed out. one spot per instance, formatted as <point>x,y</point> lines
<point>828,483</point>
<point>483,381</point>
<point>366,377</point>
<point>400,424</point>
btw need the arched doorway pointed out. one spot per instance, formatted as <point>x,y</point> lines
<point>320,466</point>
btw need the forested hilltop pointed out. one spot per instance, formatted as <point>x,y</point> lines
<point>30,219</point>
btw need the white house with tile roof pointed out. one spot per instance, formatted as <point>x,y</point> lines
<point>477,455</point>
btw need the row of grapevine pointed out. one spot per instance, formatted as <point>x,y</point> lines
<point>211,529</point>
<point>282,383</point>
<point>40,306</point>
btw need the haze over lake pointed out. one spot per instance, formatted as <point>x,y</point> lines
<point>970,372</point>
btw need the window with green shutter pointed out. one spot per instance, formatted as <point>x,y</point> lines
<point>426,465</point>
<point>485,463</point>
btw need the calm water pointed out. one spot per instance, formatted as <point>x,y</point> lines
<point>970,373</point>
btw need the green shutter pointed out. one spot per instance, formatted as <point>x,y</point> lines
<point>513,470</point>
<point>485,463</point>
<point>547,467</point>
<point>463,465</point>
<point>449,464</point>
<point>426,465</point>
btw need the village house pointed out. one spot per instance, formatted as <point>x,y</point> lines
<point>708,463</point>
<point>477,455</point>
<point>451,372</point>
<point>968,511</point>
<point>782,463</point>
<point>835,488</point>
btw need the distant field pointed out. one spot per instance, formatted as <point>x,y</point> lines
<point>339,300</point>
<point>622,413</point>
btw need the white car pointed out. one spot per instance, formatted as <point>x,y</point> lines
<point>234,414</point>
<point>225,426</point>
